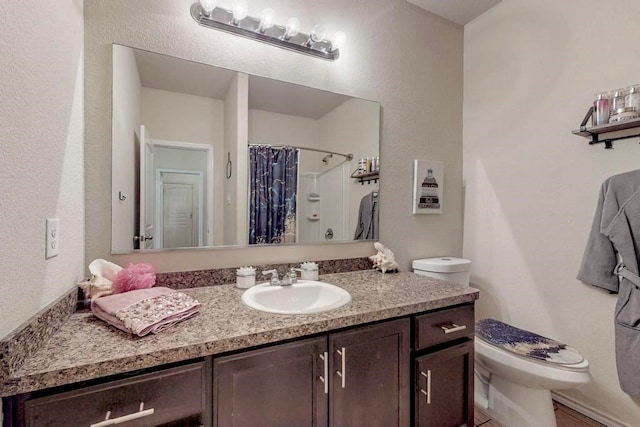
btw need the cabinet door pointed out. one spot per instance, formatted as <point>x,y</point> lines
<point>443,394</point>
<point>370,376</point>
<point>275,386</point>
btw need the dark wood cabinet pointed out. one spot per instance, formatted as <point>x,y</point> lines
<point>174,396</point>
<point>367,370</point>
<point>371,374</point>
<point>272,387</point>
<point>443,368</point>
<point>416,370</point>
<point>444,387</point>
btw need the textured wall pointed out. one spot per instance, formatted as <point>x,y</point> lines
<point>126,101</point>
<point>41,160</point>
<point>405,58</point>
<point>531,69</point>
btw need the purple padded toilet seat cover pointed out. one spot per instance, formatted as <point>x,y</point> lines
<point>525,343</point>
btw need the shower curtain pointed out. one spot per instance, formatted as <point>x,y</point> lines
<point>273,192</point>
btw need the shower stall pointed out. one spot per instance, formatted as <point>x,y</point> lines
<point>305,200</point>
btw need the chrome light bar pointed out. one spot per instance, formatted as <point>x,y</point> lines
<point>276,35</point>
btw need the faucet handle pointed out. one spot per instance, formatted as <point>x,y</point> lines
<point>274,276</point>
<point>293,276</point>
<point>273,273</point>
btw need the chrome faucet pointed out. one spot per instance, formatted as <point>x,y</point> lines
<point>274,281</point>
<point>291,277</point>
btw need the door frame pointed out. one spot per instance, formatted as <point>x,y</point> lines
<point>207,226</point>
<point>159,217</point>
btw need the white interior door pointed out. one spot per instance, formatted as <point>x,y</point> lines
<point>147,190</point>
<point>181,209</point>
<point>177,225</point>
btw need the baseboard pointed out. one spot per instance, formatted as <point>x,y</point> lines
<point>589,412</point>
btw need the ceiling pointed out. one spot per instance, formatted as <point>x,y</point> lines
<point>458,11</point>
<point>178,75</point>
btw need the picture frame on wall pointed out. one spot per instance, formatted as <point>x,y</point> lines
<point>428,186</point>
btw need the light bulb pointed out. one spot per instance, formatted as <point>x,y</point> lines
<point>266,20</point>
<point>240,11</point>
<point>338,40</point>
<point>208,6</point>
<point>292,28</point>
<point>317,34</point>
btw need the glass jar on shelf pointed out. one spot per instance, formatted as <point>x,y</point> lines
<point>632,98</point>
<point>601,108</point>
<point>618,99</point>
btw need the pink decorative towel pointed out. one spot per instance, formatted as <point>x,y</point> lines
<point>145,311</point>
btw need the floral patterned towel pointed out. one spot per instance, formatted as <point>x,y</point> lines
<point>145,311</point>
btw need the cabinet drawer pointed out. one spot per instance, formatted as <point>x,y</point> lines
<point>443,326</point>
<point>168,395</point>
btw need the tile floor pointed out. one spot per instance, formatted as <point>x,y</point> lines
<point>565,417</point>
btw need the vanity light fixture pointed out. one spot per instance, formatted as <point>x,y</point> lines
<point>238,22</point>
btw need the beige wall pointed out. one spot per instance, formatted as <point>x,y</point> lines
<point>235,146</point>
<point>41,160</point>
<point>126,130</point>
<point>188,118</point>
<point>405,58</point>
<point>353,124</point>
<point>531,69</point>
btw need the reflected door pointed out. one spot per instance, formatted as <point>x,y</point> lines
<point>147,190</point>
<point>180,205</point>
<point>177,227</point>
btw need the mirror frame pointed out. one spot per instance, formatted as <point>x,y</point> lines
<point>305,87</point>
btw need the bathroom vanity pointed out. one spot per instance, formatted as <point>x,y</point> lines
<point>400,353</point>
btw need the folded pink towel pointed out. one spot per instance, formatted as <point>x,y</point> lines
<point>145,311</point>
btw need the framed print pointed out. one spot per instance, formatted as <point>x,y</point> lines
<point>428,180</point>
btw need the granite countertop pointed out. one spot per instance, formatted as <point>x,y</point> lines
<point>86,347</point>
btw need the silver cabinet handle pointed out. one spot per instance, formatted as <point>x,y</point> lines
<point>324,378</point>
<point>123,419</point>
<point>453,328</point>
<point>342,374</point>
<point>428,391</point>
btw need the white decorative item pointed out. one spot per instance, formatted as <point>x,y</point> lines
<point>428,189</point>
<point>309,270</point>
<point>384,260</point>
<point>103,273</point>
<point>245,277</point>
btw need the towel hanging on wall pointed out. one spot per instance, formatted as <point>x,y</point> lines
<point>367,227</point>
<point>615,228</point>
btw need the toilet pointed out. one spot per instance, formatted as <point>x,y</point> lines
<point>515,369</point>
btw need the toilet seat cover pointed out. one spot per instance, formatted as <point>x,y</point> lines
<point>525,343</point>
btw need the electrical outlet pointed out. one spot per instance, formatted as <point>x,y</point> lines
<point>53,237</point>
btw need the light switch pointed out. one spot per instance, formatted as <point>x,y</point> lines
<point>53,237</point>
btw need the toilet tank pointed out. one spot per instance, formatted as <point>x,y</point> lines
<point>451,269</point>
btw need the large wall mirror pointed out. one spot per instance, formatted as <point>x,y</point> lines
<point>204,156</point>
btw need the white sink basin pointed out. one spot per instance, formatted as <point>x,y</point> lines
<point>304,297</point>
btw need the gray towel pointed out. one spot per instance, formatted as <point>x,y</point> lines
<point>616,233</point>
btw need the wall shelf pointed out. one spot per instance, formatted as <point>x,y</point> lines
<point>366,177</point>
<point>609,132</point>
